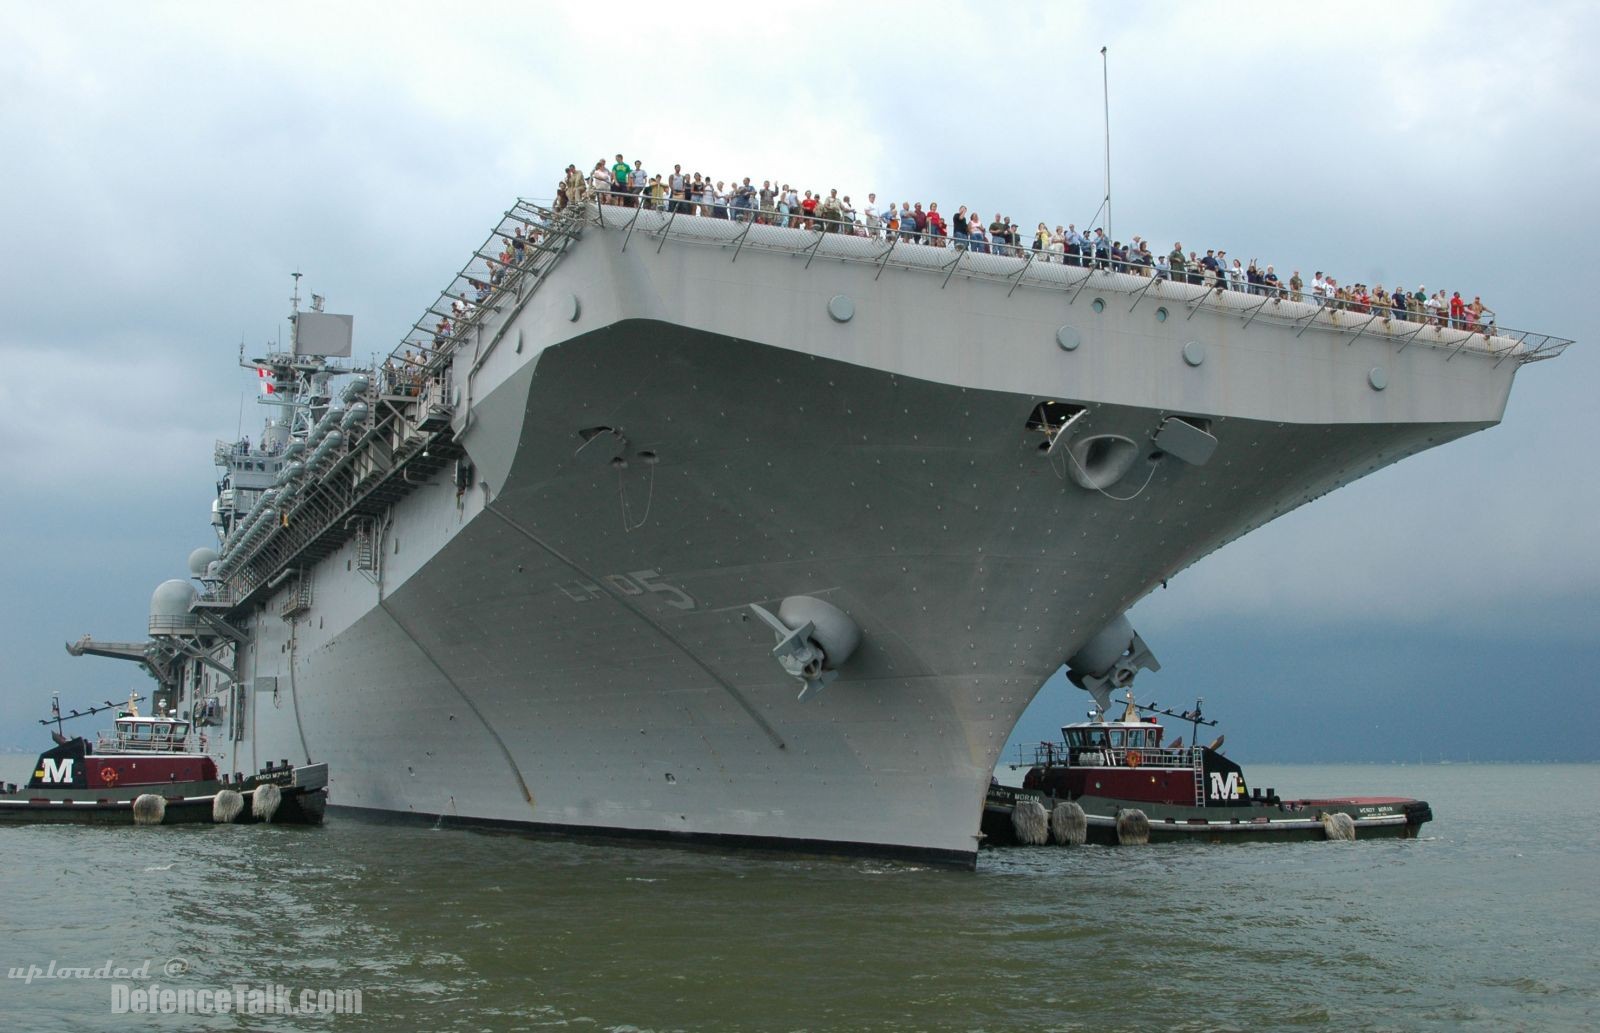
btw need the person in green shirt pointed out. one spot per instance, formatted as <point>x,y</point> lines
<point>619,180</point>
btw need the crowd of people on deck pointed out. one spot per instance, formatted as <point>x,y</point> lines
<point>631,185</point>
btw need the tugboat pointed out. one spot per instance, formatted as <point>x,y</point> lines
<point>154,770</point>
<point>1121,781</point>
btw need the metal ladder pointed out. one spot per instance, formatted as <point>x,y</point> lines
<point>366,547</point>
<point>1199,777</point>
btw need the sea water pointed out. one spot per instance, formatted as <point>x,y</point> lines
<point>1490,920</point>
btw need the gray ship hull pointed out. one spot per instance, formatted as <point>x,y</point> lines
<point>559,636</point>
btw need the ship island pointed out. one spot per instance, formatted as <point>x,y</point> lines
<point>708,530</point>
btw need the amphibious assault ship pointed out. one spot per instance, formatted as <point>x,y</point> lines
<point>700,529</point>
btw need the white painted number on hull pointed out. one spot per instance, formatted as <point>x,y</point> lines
<point>633,583</point>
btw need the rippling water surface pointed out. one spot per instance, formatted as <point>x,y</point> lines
<point>1490,921</point>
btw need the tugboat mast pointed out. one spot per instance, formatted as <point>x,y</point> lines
<point>1194,716</point>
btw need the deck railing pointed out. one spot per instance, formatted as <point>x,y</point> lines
<point>1056,753</point>
<point>815,237</point>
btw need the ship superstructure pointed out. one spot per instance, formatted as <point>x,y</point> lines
<point>686,527</point>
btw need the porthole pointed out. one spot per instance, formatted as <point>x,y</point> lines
<point>1161,314</point>
<point>1099,305</point>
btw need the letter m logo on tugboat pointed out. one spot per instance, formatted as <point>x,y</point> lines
<point>1226,786</point>
<point>55,769</point>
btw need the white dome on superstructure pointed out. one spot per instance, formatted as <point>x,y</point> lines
<point>170,607</point>
<point>200,560</point>
<point>172,599</point>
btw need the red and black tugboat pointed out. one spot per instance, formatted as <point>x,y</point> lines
<point>155,770</point>
<point>1121,781</point>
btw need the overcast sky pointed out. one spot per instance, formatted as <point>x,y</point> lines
<point>165,167</point>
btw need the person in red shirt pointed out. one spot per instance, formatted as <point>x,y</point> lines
<point>936,228</point>
<point>1458,310</point>
<point>809,207</point>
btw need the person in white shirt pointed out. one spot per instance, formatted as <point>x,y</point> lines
<point>1319,289</point>
<point>870,211</point>
<point>600,179</point>
<point>679,186</point>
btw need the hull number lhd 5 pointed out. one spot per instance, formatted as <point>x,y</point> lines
<point>633,583</point>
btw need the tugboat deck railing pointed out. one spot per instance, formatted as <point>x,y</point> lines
<point>111,743</point>
<point>1182,758</point>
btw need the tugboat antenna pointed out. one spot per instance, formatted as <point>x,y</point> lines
<point>55,709</point>
<point>1192,716</point>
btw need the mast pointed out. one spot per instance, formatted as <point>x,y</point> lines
<point>1105,94</point>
